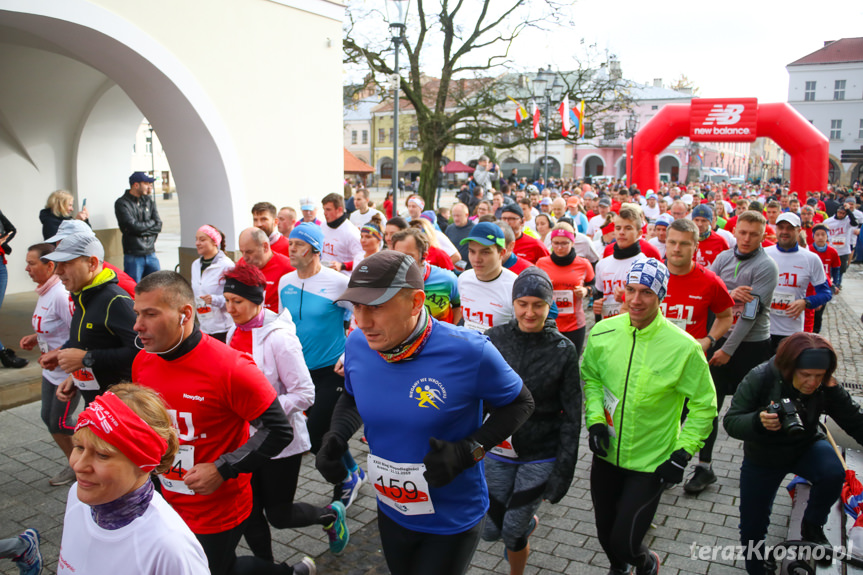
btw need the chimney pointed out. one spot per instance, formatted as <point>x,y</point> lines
<point>657,82</point>
<point>828,42</point>
<point>614,70</point>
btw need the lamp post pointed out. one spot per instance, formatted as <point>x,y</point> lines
<point>542,89</point>
<point>397,13</point>
<point>631,129</point>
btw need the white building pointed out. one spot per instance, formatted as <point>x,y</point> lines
<point>826,86</point>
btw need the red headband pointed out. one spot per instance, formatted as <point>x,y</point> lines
<point>115,422</point>
<point>563,233</point>
<point>608,229</point>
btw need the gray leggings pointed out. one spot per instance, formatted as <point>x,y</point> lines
<point>57,414</point>
<point>12,547</point>
<point>515,493</point>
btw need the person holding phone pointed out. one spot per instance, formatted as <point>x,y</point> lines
<point>751,277</point>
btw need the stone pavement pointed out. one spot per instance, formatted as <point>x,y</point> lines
<point>564,542</point>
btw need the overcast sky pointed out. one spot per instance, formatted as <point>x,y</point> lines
<point>729,48</point>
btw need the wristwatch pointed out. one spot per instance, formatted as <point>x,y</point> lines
<point>88,360</point>
<point>712,340</point>
<point>477,451</point>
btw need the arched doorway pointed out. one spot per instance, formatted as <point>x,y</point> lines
<point>553,167</point>
<point>856,173</point>
<point>834,172</point>
<point>670,165</point>
<point>593,166</point>
<point>385,168</point>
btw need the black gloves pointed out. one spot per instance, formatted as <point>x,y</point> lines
<point>329,458</point>
<point>446,460</point>
<point>599,439</point>
<point>556,487</point>
<point>672,470</point>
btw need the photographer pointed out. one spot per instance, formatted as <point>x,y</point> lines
<point>775,412</point>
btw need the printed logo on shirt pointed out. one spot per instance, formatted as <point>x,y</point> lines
<point>429,393</point>
<point>193,397</point>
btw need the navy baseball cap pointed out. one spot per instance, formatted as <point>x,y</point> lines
<point>309,233</point>
<point>140,177</point>
<point>487,234</point>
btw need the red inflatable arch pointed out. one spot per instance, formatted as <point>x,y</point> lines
<point>732,120</point>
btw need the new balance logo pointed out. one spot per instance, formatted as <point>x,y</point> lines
<point>724,116</point>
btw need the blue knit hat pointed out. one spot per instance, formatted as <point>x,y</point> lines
<point>309,233</point>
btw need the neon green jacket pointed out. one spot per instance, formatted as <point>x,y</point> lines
<point>636,381</point>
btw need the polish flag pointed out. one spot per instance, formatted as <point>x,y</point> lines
<point>564,116</point>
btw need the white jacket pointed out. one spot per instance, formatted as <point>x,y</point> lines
<point>278,353</point>
<point>212,283</point>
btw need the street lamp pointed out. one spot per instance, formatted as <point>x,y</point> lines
<point>631,129</point>
<point>397,13</point>
<point>542,89</point>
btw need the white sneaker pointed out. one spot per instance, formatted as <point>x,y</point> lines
<point>65,477</point>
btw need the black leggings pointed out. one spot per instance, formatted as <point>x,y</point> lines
<point>221,549</point>
<point>328,388</point>
<point>273,487</point>
<point>818,318</point>
<point>413,553</point>
<point>577,338</point>
<point>624,503</point>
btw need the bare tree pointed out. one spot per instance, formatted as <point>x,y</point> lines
<point>467,102</point>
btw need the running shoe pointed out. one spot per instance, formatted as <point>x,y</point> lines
<point>65,477</point>
<point>652,568</point>
<point>349,489</point>
<point>337,531</point>
<point>702,476</point>
<point>305,567</point>
<point>30,562</point>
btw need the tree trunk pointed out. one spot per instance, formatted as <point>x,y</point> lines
<point>429,176</point>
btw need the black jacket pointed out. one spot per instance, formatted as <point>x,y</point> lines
<point>776,448</point>
<point>548,364</point>
<point>139,223</point>
<point>6,227</point>
<point>102,323</point>
<point>51,222</point>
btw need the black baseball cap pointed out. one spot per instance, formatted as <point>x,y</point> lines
<point>379,277</point>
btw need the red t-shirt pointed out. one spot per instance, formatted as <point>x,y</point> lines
<point>730,224</point>
<point>519,266</point>
<point>564,279</point>
<point>647,249</point>
<point>690,296</point>
<point>829,259</point>
<point>278,266</point>
<point>212,393</point>
<point>529,248</point>
<point>438,257</point>
<point>124,280</point>
<point>710,248</point>
<point>282,246</point>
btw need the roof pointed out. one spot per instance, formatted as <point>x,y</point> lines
<point>354,165</point>
<point>840,51</point>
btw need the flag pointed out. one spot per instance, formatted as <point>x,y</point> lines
<point>520,112</point>
<point>578,112</point>
<point>761,158</point>
<point>564,116</point>
<point>535,110</point>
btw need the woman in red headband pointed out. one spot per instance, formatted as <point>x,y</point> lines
<point>115,521</point>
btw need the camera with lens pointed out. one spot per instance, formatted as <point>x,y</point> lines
<point>788,416</point>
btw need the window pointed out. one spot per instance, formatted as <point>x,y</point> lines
<point>809,94</point>
<point>835,129</point>
<point>381,136</point>
<point>392,133</point>
<point>415,133</point>
<point>588,130</point>
<point>365,136</point>
<point>654,107</point>
<point>387,169</point>
<point>149,148</point>
<point>353,137</point>
<point>608,130</point>
<point>839,90</point>
<point>860,134</point>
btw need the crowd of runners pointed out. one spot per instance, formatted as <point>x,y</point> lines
<point>455,342</point>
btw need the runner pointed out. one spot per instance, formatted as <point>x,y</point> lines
<point>371,239</point>
<point>842,227</point>
<point>511,261</point>
<point>798,269</point>
<point>573,278</point>
<point>526,247</point>
<point>207,281</point>
<point>660,229</point>
<point>599,221</point>
<point>441,286</point>
<point>710,244</point>
<point>272,342</point>
<point>310,294</point>
<point>115,522</point>
<point>486,289</point>
<point>612,271</point>
<point>101,344</point>
<point>832,267</point>
<point>633,402</point>
<point>341,237</point>
<point>264,218</point>
<point>212,393</point>
<point>364,213</point>
<point>51,322</point>
<point>538,461</point>
<point>286,219</point>
<point>256,251</point>
<point>426,438</point>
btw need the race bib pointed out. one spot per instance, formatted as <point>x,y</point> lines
<point>609,406</point>
<point>476,326</point>
<point>184,460</point>
<point>401,486</point>
<point>610,307</point>
<point>505,449</point>
<point>43,345</point>
<point>85,380</point>
<point>781,301</point>
<point>679,322</point>
<point>201,307</point>
<point>565,300</point>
